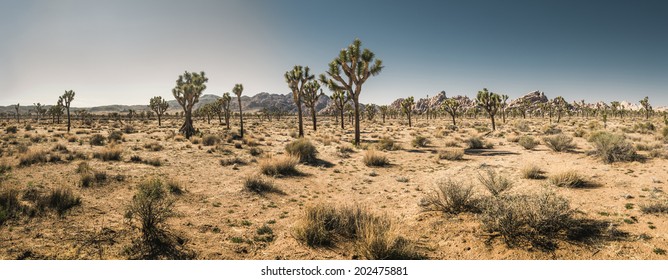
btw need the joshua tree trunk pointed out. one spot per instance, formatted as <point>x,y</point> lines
<point>313,117</point>
<point>187,129</point>
<point>68,119</point>
<point>357,121</point>
<point>454,123</point>
<point>493,123</point>
<point>299,117</point>
<point>342,120</point>
<point>241,117</point>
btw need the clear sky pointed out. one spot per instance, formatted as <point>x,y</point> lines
<point>125,52</point>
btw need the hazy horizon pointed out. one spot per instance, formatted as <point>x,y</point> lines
<point>125,52</point>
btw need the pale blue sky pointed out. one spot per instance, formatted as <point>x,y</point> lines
<point>125,52</point>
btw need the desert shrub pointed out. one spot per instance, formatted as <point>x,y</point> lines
<point>528,142</point>
<point>148,213</point>
<point>128,129</point>
<point>232,161</point>
<point>451,154</point>
<point>111,153</point>
<point>33,157</point>
<point>387,144</point>
<point>210,140</point>
<point>551,130</point>
<point>374,236</point>
<point>559,143</point>
<point>153,162</point>
<point>83,167</point>
<point>644,128</point>
<point>493,182</point>
<point>174,187</point>
<point>655,208</point>
<point>260,186</point>
<point>532,172</point>
<point>136,158</point>
<point>538,219</point>
<point>255,151</point>
<point>59,200</point>
<point>523,126</point>
<point>420,141</point>
<point>115,136</point>
<point>569,179</point>
<point>664,132</point>
<point>612,147</point>
<point>60,148</point>
<point>579,133</point>
<point>72,139</point>
<point>451,144</point>
<point>153,146</point>
<point>344,151</point>
<point>91,178</point>
<point>303,149</point>
<point>450,197</point>
<point>10,207</point>
<point>285,166</point>
<point>97,140</point>
<point>4,170</point>
<point>375,158</point>
<point>11,129</point>
<point>475,142</point>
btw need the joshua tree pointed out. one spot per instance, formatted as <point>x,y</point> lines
<point>188,89</point>
<point>226,100</point>
<point>159,106</point>
<point>39,109</point>
<point>340,99</point>
<point>238,89</point>
<point>81,114</point>
<point>383,111</point>
<point>559,106</point>
<point>490,102</point>
<point>65,100</point>
<point>645,104</point>
<point>407,107</point>
<point>297,79</point>
<point>16,107</point>
<point>312,93</point>
<point>504,104</point>
<point>453,107</point>
<point>370,111</point>
<point>615,106</point>
<point>357,66</point>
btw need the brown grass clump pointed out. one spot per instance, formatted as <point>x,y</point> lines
<point>260,186</point>
<point>110,153</point>
<point>451,154</point>
<point>33,157</point>
<point>420,141</point>
<point>374,158</point>
<point>303,149</point>
<point>532,172</point>
<point>451,197</point>
<point>494,183</point>
<point>280,166</point>
<point>569,179</point>
<point>210,140</point>
<point>59,200</point>
<point>655,208</point>
<point>559,143</point>
<point>387,144</point>
<point>528,142</point>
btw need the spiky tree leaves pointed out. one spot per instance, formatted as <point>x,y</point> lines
<point>490,102</point>
<point>356,65</point>
<point>454,108</point>
<point>297,78</point>
<point>340,99</point>
<point>559,104</point>
<point>383,111</point>
<point>312,93</point>
<point>225,102</point>
<point>407,107</point>
<point>65,100</point>
<point>40,110</point>
<point>237,90</point>
<point>159,106</point>
<point>645,104</point>
<point>188,89</point>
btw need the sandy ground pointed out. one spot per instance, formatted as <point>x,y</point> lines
<point>218,220</point>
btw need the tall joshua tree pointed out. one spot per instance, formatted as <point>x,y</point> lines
<point>454,108</point>
<point>238,89</point>
<point>559,107</point>
<point>340,99</point>
<point>226,100</point>
<point>188,89</point>
<point>40,110</point>
<point>312,93</point>
<point>159,106</point>
<point>65,100</point>
<point>645,104</point>
<point>504,104</point>
<point>407,107</point>
<point>297,79</point>
<point>17,107</point>
<point>490,102</point>
<point>383,111</point>
<point>357,65</point>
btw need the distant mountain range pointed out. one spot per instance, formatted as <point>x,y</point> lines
<point>285,103</point>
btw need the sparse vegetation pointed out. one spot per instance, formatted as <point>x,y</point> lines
<point>528,142</point>
<point>260,186</point>
<point>420,141</point>
<point>532,172</point>
<point>494,183</point>
<point>303,149</point>
<point>375,158</point>
<point>568,179</point>
<point>451,197</point>
<point>284,166</point>
<point>612,147</point>
<point>451,154</point>
<point>559,143</point>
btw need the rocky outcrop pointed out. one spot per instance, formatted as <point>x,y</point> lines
<point>533,99</point>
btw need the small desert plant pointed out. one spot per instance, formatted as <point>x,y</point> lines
<point>494,183</point>
<point>97,140</point>
<point>475,142</point>
<point>260,186</point>
<point>210,140</point>
<point>655,208</point>
<point>559,143</point>
<point>10,207</point>
<point>33,157</point>
<point>115,136</point>
<point>111,153</point>
<point>286,166</point>
<point>59,200</point>
<point>387,144</point>
<point>11,129</point>
<point>451,154</point>
<point>232,161</point>
<point>420,141</point>
<point>451,197</point>
<point>375,158</point>
<point>302,148</point>
<point>612,147</point>
<point>528,142</point>
<point>255,151</point>
<point>568,179</point>
<point>532,172</point>
<point>153,146</point>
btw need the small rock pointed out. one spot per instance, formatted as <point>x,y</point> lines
<point>628,196</point>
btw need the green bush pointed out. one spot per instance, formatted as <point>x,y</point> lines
<point>303,149</point>
<point>612,147</point>
<point>528,142</point>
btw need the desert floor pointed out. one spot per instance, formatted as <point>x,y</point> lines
<point>217,219</point>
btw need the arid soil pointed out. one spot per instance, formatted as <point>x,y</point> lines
<point>217,219</point>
